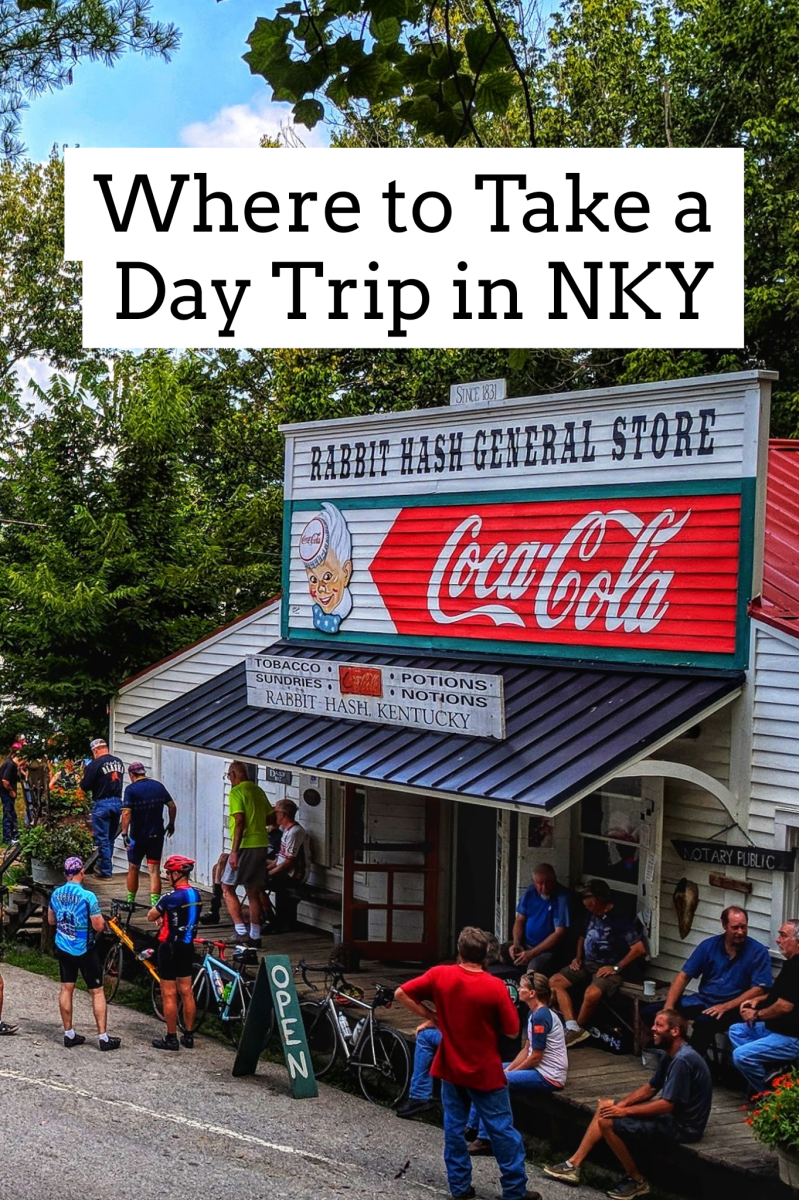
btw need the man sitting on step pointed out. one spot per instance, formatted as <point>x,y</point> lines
<point>673,1107</point>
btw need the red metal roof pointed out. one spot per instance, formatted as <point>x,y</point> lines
<point>779,604</point>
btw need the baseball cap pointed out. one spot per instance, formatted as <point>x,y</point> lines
<point>597,888</point>
<point>73,865</point>
<point>137,768</point>
<point>97,742</point>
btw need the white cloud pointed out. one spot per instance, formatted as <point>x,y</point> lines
<point>241,126</point>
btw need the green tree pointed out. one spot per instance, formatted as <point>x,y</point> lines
<point>115,549</point>
<point>41,293</point>
<point>42,41</point>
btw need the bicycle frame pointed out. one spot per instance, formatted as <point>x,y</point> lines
<point>121,933</point>
<point>351,1049</point>
<point>230,975</point>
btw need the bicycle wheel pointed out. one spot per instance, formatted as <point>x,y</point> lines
<point>384,1078</point>
<point>112,971</point>
<point>237,1012</point>
<point>321,1036</point>
<point>199,985</point>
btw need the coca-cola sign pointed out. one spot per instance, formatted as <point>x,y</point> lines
<point>638,573</point>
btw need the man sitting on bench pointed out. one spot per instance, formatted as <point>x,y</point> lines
<point>608,946</point>
<point>679,1114</point>
<point>731,967</point>
<point>291,865</point>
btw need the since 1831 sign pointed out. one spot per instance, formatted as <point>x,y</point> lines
<point>618,525</point>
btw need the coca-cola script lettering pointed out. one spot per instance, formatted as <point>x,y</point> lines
<point>644,573</point>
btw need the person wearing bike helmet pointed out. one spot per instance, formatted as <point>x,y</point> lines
<point>178,913</point>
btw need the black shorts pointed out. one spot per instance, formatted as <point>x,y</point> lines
<point>653,1130</point>
<point>151,848</point>
<point>175,960</point>
<point>88,965</point>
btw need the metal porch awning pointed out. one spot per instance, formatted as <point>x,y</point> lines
<point>569,729</point>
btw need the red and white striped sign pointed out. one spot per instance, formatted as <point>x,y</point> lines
<point>635,573</point>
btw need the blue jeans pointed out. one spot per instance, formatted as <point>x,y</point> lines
<point>427,1042</point>
<point>518,1081</point>
<point>105,823</point>
<point>493,1111</point>
<point>10,829</point>
<point>757,1052</point>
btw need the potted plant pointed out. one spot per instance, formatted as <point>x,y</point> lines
<point>48,846</point>
<point>775,1122</point>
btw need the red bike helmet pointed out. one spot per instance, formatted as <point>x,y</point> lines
<point>179,865</point>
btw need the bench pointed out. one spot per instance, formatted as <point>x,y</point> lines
<point>289,900</point>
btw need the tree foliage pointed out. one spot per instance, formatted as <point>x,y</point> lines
<point>659,73</point>
<point>42,41</point>
<point>135,515</point>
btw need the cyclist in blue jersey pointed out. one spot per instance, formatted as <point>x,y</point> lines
<point>75,912</point>
<point>143,827</point>
<point>178,912</point>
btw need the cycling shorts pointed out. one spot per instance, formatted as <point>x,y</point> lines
<point>175,960</point>
<point>88,965</point>
<point>151,848</point>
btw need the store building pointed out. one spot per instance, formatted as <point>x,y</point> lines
<point>511,631</point>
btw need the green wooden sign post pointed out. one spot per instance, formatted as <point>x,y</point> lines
<point>275,993</point>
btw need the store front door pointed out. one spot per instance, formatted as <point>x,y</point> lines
<point>391,874</point>
<point>475,866</point>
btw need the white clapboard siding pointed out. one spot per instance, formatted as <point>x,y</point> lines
<point>690,813</point>
<point>194,778</point>
<point>774,802</point>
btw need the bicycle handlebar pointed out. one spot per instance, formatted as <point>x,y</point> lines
<point>334,971</point>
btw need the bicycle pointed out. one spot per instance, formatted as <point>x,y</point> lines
<point>219,984</point>
<point>115,958</point>
<point>376,1053</point>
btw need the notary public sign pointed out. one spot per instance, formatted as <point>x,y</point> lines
<point>620,524</point>
<point>757,858</point>
<point>440,701</point>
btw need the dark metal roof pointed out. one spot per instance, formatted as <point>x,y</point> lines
<point>568,727</point>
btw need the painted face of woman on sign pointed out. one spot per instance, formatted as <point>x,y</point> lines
<point>328,582</point>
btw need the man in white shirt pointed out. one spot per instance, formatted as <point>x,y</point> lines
<point>291,865</point>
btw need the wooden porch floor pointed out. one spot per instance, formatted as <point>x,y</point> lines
<point>727,1161</point>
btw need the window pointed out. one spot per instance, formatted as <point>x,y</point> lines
<point>620,841</point>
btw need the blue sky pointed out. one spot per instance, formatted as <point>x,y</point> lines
<point>205,96</point>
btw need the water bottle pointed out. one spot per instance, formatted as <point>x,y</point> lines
<point>344,1026</point>
<point>227,991</point>
<point>356,1033</point>
<point>219,986</point>
<point>145,954</point>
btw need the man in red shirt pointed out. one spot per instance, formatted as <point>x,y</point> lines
<point>473,1010</point>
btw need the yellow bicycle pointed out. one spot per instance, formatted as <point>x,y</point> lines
<point>125,947</point>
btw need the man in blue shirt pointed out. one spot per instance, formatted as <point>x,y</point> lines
<point>143,827</point>
<point>610,944</point>
<point>542,919</point>
<point>731,968</point>
<point>75,912</point>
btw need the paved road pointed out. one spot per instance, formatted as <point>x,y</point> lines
<point>136,1123</point>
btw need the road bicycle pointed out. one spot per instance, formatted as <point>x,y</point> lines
<point>124,948</point>
<point>221,987</point>
<point>377,1054</point>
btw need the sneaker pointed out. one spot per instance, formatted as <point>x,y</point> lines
<point>169,1042</point>
<point>467,1195</point>
<point>72,1042</point>
<point>629,1187</point>
<point>532,1195</point>
<point>563,1171</point>
<point>411,1107</point>
<point>187,1040</point>
<point>110,1043</point>
<point>575,1036</point>
<point>6,1030</point>
<point>255,943</point>
<point>480,1146</point>
<point>210,918</point>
